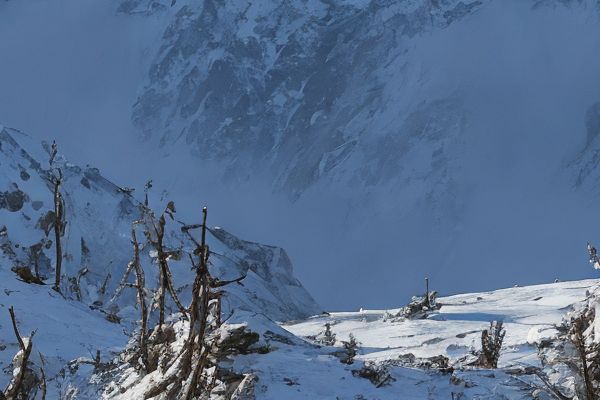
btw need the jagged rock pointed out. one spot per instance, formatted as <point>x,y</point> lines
<point>13,200</point>
<point>114,318</point>
<point>245,390</point>
<point>25,274</point>
<point>272,336</point>
<point>98,206</point>
<point>460,381</point>
<point>378,374</point>
<point>236,340</point>
<point>439,362</point>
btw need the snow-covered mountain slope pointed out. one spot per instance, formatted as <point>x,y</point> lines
<point>65,330</point>
<point>96,250</point>
<point>96,243</point>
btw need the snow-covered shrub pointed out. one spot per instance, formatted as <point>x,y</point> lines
<point>593,253</point>
<point>491,344</point>
<point>491,347</point>
<point>351,350</point>
<point>327,337</point>
<point>418,308</point>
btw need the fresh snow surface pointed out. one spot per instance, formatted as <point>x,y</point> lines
<point>529,313</point>
<point>65,330</point>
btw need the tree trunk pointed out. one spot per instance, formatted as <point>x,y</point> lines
<point>58,227</point>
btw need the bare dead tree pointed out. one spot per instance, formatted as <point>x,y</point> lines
<point>102,289</point>
<point>155,233</point>
<point>53,152</point>
<point>206,301</point>
<point>427,302</point>
<point>198,314</point>
<point>11,311</point>
<point>56,178</point>
<point>204,316</point>
<point>578,327</point>
<point>43,385</point>
<point>550,387</point>
<point>123,284</point>
<point>75,282</point>
<point>147,187</point>
<point>36,250</point>
<point>140,286</point>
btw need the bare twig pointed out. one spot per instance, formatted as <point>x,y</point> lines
<point>15,387</point>
<point>43,385</point>
<point>16,329</point>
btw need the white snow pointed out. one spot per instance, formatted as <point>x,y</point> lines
<point>528,313</point>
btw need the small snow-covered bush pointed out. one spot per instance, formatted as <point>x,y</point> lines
<point>327,337</point>
<point>351,350</point>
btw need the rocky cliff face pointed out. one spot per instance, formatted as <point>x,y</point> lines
<point>304,91</point>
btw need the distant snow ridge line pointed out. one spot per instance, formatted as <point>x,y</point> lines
<point>96,243</point>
